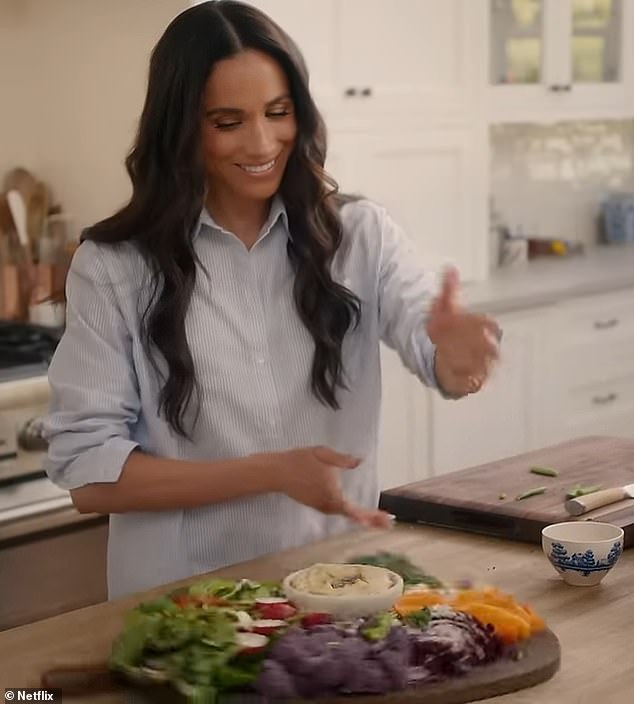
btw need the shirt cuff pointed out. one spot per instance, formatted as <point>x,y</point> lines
<point>426,353</point>
<point>103,463</point>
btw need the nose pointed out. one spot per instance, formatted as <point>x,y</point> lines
<point>261,142</point>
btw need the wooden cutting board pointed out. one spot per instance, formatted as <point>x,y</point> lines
<point>470,499</point>
<point>539,661</point>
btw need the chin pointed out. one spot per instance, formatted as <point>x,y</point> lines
<point>260,191</point>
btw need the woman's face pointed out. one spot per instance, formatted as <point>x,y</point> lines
<point>249,127</point>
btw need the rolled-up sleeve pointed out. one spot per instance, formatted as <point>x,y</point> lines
<point>94,402</point>
<point>406,292</point>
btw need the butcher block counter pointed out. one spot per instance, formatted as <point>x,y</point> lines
<point>595,625</point>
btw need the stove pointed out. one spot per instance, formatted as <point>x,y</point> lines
<point>24,346</point>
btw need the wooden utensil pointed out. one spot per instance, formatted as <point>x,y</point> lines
<point>36,214</point>
<point>22,180</point>
<point>12,304</point>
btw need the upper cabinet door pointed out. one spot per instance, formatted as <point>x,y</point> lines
<point>560,58</point>
<point>370,59</point>
<point>516,54</point>
<point>312,27</point>
<point>409,55</point>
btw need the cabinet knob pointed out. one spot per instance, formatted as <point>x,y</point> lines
<point>366,92</point>
<point>350,92</point>
<point>603,400</point>
<point>606,324</point>
<point>561,87</point>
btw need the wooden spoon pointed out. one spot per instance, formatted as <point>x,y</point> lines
<point>21,180</point>
<point>12,308</point>
<point>36,212</point>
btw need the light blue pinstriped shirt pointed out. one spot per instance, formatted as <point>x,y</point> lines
<point>253,359</point>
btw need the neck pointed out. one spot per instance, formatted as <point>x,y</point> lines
<point>244,218</point>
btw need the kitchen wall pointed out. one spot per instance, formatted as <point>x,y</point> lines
<point>550,179</point>
<point>73,76</point>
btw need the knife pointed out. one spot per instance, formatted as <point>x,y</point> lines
<point>583,504</point>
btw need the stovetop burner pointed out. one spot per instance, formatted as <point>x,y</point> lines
<point>25,344</point>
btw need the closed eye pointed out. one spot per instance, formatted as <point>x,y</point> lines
<point>226,125</point>
<point>236,123</point>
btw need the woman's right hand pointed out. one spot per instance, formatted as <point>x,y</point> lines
<point>310,475</point>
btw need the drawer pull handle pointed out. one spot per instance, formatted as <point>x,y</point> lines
<point>606,324</point>
<point>603,400</point>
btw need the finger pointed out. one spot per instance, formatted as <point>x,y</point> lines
<point>493,328</point>
<point>447,301</point>
<point>335,459</point>
<point>370,518</point>
<point>482,339</point>
<point>474,384</point>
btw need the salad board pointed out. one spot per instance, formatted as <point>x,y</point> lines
<point>379,635</point>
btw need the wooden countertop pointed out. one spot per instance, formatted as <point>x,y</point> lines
<point>594,624</point>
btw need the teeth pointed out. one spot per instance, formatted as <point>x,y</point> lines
<point>258,169</point>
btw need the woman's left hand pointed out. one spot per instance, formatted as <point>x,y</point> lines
<point>466,343</point>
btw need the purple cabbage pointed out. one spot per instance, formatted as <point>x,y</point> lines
<point>332,659</point>
<point>452,644</point>
<point>329,659</point>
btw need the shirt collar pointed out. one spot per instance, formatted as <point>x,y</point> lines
<point>277,211</point>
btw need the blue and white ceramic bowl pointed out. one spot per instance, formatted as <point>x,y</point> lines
<point>582,552</point>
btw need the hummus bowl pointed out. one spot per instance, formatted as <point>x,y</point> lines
<point>343,590</point>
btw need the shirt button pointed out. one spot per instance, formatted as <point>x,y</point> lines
<point>261,360</point>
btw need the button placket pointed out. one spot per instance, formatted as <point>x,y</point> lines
<point>263,370</point>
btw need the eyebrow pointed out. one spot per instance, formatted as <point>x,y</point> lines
<point>238,111</point>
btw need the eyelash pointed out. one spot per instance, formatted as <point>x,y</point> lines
<point>233,125</point>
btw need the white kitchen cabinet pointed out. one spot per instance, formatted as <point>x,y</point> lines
<point>313,28</point>
<point>590,367</point>
<point>401,427</point>
<point>427,181</point>
<point>369,59</point>
<point>551,59</point>
<point>498,421</point>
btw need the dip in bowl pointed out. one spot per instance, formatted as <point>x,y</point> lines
<point>343,590</point>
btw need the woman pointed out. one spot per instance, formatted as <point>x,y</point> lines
<point>217,388</point>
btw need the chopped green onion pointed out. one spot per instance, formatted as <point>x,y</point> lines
<point>580,490</point>
<point>545,471</point>
<point>531,492</point>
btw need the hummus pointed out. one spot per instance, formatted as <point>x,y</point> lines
<point>343,580</point>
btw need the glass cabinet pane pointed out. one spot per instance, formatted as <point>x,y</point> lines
<point>517,41</point>
<point>596,40</point>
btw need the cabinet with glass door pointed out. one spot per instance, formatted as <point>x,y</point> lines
<point>560,58</point>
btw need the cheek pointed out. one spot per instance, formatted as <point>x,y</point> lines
<point>288,132</point>
<point>217,147</point>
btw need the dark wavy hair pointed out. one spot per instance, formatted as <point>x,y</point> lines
<point>168,178</point>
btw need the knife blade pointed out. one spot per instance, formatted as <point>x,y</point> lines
<point>583,504</point>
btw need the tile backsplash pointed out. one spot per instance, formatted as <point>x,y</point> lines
<point>550,180</point>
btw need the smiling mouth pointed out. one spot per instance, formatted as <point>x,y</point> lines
<point>258,168</point>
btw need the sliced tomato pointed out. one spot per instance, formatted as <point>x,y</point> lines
<point>212,600</point>
<point>266,626</point>
<point>183,600</point>
<point>315,619</point>
<point>277,610</point>
<point>251,643</point>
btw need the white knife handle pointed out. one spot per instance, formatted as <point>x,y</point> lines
<point>583,504</point>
